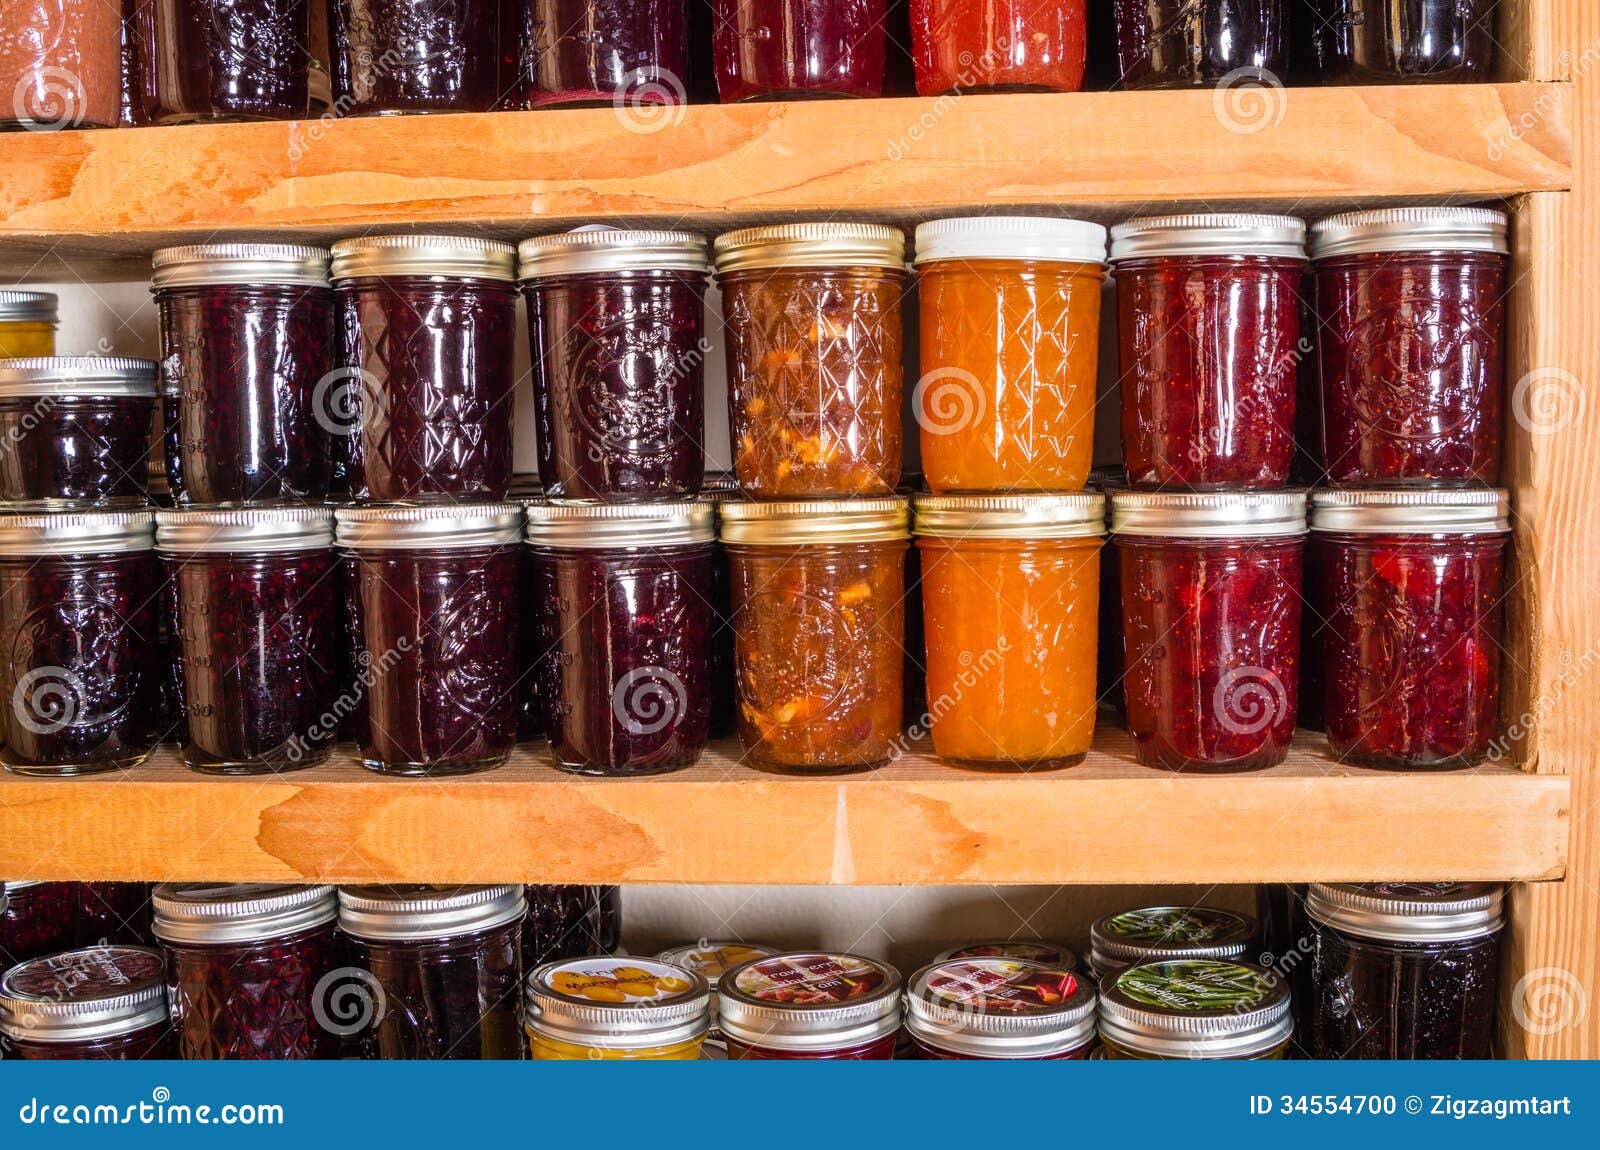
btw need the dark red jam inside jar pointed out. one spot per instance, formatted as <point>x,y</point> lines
<point>223,59</point>
<point>615,319</point>
<point>1000,1008</point>
<point>633,54</point>
<point>1411,330</point>
<point>793,49</point>
<point>1196,43</point>
<point>1208,310</point>
<point>623,660</point>
<point>111,913</point>
<point>570,922</point>
<point>258,610</point>
<point>998,45</point>
<point>99,1003</point>
<point>37,918</point>
<point>79,675</point>
<point>1211,624</point>
<point>1409,586</point>
<point>432,606</point>
<point>427,333</point>
<point>395,56</point>
<point>805,1006</point>
<point>1379,42</point>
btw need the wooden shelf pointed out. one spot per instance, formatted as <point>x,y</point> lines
<point>100,202</point>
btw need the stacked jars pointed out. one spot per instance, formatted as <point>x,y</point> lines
<point>1194,1008</point>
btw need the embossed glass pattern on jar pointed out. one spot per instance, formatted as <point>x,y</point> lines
<point>223,59</point>
<point>397,56</point>
<point>36,919</point>
<point>566,921</point>
<point>1378,42</point>
<point>798,49</point>
<point>1196,43</point>
<point>100,1003</point>
<point>60,64</point>
<point>998,45</point>
<point>630,53</point>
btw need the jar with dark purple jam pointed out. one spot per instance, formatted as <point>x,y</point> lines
<point>1211,624</point>
<point>1196,43</point>
<point>810,1006</point>
<point>400,56</point>
<point>75,432</point>
<point>113,913</point>
<point>104,1002</point>
<point>223,59</point>
<point>39,918</point>
<point>1000,1008</point>
<point>623,659</point>
<point>446,971</point>
<point>615,319</point>
<point>1401,970</point>
<point>633,54</point>
<point>431,598</point>
<point>1154,933</point>
<point>427,334</point>
<point>246,357</point>
<point>248,967</point>
<point>798,49</point>
<point>1409,588</point>
<point>258,610</point>
<point>79,671</point>
<point>570,922</point>
<point>1380,42</point>
<point>1411,326</point>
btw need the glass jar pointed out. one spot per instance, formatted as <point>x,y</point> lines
<point>1368,42</point>
<point>819,620</point>
<point>258,623</point>
<point>113,913</point>
<point>78,612</point>
<point>627,53</point>
<point>810,1006</point>
<point>1411,333</point>
<point>1196,43</point>
<point>616,320</point>
<point>1000,1008</point>
<point>431,594</point>
<point>570,922</point>
<point>1155,933</point>
<point>446,970</point>
<point>615,1009</point>
<point>711,960</point>
<point>206,60</point>
<point>428,329</point>
<point>28,322</point>
<point>998,45</point>
<point>247,372</point>
<point>1010,336</point>
<point>623,664</point>
<point>814,342</point>
<point>798,49</point>
<point>99,1003</point>
<point>1194,1008</point>
<point>40,918</point>
<point>396,56</point>
<point>248,968</point>
<point>720,486</point>
<point>1211,624</point>
<point>1010,601</point>
<point>1208,315</point>
<point>60,64</point>
<point>1401,970</point>
<point>1409,591</point>
<point>1019,949</point>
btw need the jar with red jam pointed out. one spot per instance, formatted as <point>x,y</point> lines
<point>998,45</point>
<point>1198,43</point>
<point>1411,330</point>
<point>1409,588</point>
<point>616,323</point>
<point>248,968</point>
<point>39,918</point>
<point>805,1006</point>
<point>110,913</point>
<point>104,1002</point>
<point>1211,585</point>
<point>1154,933</point>
<point>630,54</point>
<point>1377,42</point>
<point>431,596</point>
<point>1208,316</point>
<point>1000,1008</point>
<point>417,56</point>
<point>567,921</point>
<point>623,651</point>
<point>798,49</point>
<point>1019,949</point>
<point>426,368</point>
<point>1194,1008</point>
<point>209,60</point>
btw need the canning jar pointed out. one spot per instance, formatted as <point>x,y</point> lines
<point>998,45</point>
<point>431,596</point>
<point>80,674</point>
<point>711,960</point>
<point>248,967</point>
<point>223,59</point>
<point>1196,43</point>
<point>798,49</point>
<point>396,56</point>
<point>75,431</point>
<point>258,608</point>
<point>1010,338</point>
<point>60,64</point>
<point>247,372</point>
<point>633,54</point>
<point>28,322</point>
<point>1194,1008</point>
<point>1010,602</point>
<point>1000,1008</point>
<point>1411,333</point>
<point>810,1006</point>
<point>1401,970</point>
<point>622,659</point>
<point>616,323</point>
<point>819,620</point>
<point>40,918</point>
<point>1368,42</point>
<point>446,965</point>
<point>427,333</point>
<point>1211,624</point>
<point>1153,933</point>
<point>615,1009</point>
<point>724,684</point>
<point>814,339</point>
<point>1409,589</point>
<point>1032,950</point>
<point>570,922</point>
<point>1208,316</point>
<point>100,1003</point>
<point>111,913</point>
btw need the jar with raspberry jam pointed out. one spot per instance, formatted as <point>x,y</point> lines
<point>566,921</point>
<point>104,1002</point>
<point>631,54</point>
<point>114,912</point>
<point>1198,43</point>
<point>615,1009</point>
<point>1000,1008</point>
<point>1377,42</point>
<point>418,56</point>
<point>210,60</point>
<point>39,918</point>
<point>798,49</point>
<point>76,432</point>
<point>1153,933</point>
<point>810,1006</point>
<point>1194,1008</point>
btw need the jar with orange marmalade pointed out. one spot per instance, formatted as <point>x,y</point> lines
<point>1011,606</point>
<point>615,1009</point>
<point>28,323</point>
<point>1010,335</point>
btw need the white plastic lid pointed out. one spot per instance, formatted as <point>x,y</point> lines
<point>1011,238</point>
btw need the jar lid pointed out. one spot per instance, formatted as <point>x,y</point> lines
<point>463,256</point>
<point>1156,932</point>
<point>245,529</point>
<point>1195,1008</point>
<point>818,245</point>
<point>1011,238</point>
<point>218,912</point>
<point>1020,949</point>
<point>720,483</point>
<point>207,265</point>
<point>75,533</point>
<point>1409,911</point>
<point>1068,516</point>
<point>617,1003</point>
<point>711,960</point>
<point>385,913</point>
<point>809,1001</point>
<point>602,249</point>
<point>815,521</point>
<point>1210,234</point>
<point>1433,511</point>
<point>27,307</point>
<point>1209,514</point>
<point>84,995</point>
<point>1411,230</point>
<point>396,526</point>
<point>581,525</point>
<point>1000,1008</point>
<point>63,375</point>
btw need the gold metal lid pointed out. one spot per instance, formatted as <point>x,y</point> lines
<point>465,256</point>
<point>593,249</point>
<point>1078,515</point>
<point>814,245</point>
<point>207,265</point>
<point>816,521</point>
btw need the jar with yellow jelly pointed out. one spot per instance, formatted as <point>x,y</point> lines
<point>607,1008</point>
<point>27,324</point>
<point>1194,1008</point>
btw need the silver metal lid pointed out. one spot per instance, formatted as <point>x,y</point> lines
<point>617,1003</point>
<point>394,526</point>
<point>1209,514</point>
<point>219,912</point>
<point>394,913</point>
<point>1000,1008</point>
<point>1021,949</point>
<point>1430,511</point>
<point>711,960</point>
<point>208,265</point>
<point>84,995</point>
<point>1153,932</point>
<point>809,1001</point>
<point>28,307</point>
<point>1195,1008</point>
<point>461,256</point>
<point>1011,238</point>
<point>602,249</point>
<point>811,245</point>
<point>1411,230</point>
<point>252,529</point>
<point>77,533</point>
<point>67,375</point>
<point>1078,515</point>
<point>1210,234</point>
<point>587,525</point>
<point>1409,911</point>
<point>799,521</point>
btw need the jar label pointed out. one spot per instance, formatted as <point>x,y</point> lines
<point>87,975</point>
<point>1176,925</point>
<point>715,960</point>
<point>811,979</point>
<point>1198,985</point>
<point>1001,986</point>
<point>609,980</point>
<point>1021,949</point>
